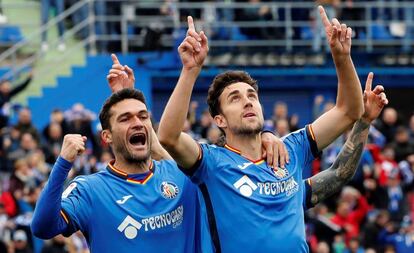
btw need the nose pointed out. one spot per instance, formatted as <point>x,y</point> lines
<point>247,102</point>
<point>137,123</point>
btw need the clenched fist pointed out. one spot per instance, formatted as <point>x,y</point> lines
<point>73,145</point>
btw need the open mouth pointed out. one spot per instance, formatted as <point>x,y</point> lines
<point>249,114</point>
<point>138,139</point>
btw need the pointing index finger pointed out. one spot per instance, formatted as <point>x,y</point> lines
<point>324,17</point>
<point>368,83</point>
<point>114,59</point>
<point>190,22</point>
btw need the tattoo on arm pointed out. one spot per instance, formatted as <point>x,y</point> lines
<point>343,169</point>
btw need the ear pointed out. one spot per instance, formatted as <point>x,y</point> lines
<point>106,136</point>
<point>220,121</point>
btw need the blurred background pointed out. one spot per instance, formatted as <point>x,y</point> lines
<point>54,58</point>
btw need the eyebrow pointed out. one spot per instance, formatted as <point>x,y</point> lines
<point>251,90</point>
<point>233,93</point>
<point>129,113</point>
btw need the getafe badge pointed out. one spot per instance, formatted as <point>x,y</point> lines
<point>281,173</point>
<point>169,190</point>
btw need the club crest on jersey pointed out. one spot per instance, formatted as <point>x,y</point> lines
<point>281,173</point>
<point>169,190</point>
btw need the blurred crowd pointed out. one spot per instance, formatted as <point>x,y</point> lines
<point>374,213</point>
<point>162,20</point>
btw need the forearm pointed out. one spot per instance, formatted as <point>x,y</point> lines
<point>20,87</point>
<point>175,112</point>
<point>333,179</point>
<point>47,221</point>
<point>349,96</point>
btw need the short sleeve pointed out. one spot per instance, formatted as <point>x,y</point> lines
<point>302,142</point>
<point>205,163</point>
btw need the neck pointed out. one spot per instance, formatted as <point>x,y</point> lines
<point>133,168</point>
<point>249,146</point>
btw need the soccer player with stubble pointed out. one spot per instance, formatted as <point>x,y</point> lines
<point>251,207</point>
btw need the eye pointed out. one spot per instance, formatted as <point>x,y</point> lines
<point>252,96</point>
<point>143,116</point>
<point>235,98</point>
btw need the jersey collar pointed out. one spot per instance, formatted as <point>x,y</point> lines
<point>235,150</point>
<point>131,177</point>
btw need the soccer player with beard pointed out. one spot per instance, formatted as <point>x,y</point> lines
<point>251,208</point>
<point>137,204</point>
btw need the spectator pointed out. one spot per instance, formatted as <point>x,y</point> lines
<point>258,12</point>
<point>22,177</point>
<point>46,6</point>
<point>28,145</point>
<point>53,142</point>
<point>213,135</point>
<point>80,120</point>
<point>372,230</point>
<point>56,117</point>
<point>402,145</point>
<point>350,213</point>
<point>6,93</point>
<point>25,125</point>
<point>401,241</point>
<point>323,247</point>
<point>201,127</point>
<point>388,123</point>
<point>280,111</point>
<point>20,244</point>
<point>59,244</point>
<point>354,246</point>
<point>282,127</point>
<point>397,206</point>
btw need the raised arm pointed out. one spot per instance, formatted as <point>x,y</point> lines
<point>349,106</point>
<point>333,179</point>
<point>48,218</point>
<point>193,50</point>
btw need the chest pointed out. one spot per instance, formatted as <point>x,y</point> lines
<point>136,211</point>
<point>258,182</point>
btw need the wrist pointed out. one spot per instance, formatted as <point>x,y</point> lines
<point>192,70</point>
<point>365,121</point>
<point>341,59</point>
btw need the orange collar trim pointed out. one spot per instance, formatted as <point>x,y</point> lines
<point>235,150</point>
<point>122,174</point>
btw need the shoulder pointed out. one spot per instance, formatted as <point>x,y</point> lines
<point>86,182</point>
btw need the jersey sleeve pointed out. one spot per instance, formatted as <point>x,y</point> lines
<point>76,206</point>
<point>205,163</point>
<point>302,142</point>
<point>48,219</point>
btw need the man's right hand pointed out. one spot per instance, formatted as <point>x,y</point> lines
<point>120,77</point>
<point>193,50</point>
<point>338,35</point>
<point>73,145</point>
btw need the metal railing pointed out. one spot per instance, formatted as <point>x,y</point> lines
<point>296,23</point>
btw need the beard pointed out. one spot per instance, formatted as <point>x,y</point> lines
<point>129,156</point>
<point>244,130</point>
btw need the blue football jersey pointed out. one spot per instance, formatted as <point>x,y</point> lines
<point>252,208</point>
<point>153,212</point>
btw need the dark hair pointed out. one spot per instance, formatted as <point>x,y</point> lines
<point>223,80</point>
<point>105,114</point>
